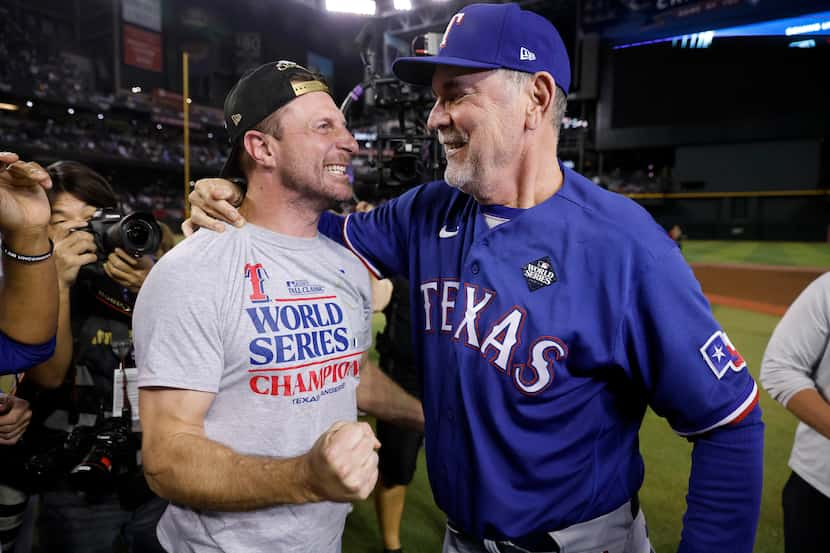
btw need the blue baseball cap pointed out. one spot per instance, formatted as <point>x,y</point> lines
<point>493,36</point>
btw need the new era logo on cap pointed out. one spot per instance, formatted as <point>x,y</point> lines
<point>525,54</point>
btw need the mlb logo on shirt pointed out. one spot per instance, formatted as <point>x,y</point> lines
<point>720,354</point>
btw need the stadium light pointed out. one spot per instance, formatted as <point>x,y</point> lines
<point>100,116</point>
<point>136,89</point>
<point>361,7</point>
<point>30,104</point>
<point>70,111</point>
<point>403,5</point>
<point>9,107</point>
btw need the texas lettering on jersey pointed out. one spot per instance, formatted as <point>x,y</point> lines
<point>497,343</point>
<point>301,344</point>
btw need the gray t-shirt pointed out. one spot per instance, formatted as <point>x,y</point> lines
<point>798,358</point>
<point>274,326</point>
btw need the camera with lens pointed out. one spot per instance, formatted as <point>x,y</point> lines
<point>137,233</point>
<point>111,453</point>
<point>95,457</point>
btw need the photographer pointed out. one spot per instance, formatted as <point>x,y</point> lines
<point>97,290</point>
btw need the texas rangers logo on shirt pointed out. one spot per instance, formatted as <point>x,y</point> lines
<point>720,354</point>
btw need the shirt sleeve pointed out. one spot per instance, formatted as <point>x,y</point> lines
<point>670,342</point>
<point>379,238</point>
<point>16,357</point>
<point>798,342</point>
<point>725,484</point>
<point>176,327</point>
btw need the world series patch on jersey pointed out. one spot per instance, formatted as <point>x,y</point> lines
<point>542,341</point>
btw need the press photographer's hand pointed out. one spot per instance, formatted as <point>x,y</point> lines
<point>212,201</point>
<point>14,422</point>
<point>126,270</point>
<point>73,250</point>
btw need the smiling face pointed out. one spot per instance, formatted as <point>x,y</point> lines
<point>479,116</point>
<point>314,149</point>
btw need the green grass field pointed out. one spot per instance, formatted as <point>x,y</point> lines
<point>799,254</point>
<point>666,455</point>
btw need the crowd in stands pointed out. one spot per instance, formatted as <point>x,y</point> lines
<point>43,67</point>
<point>128,140</point>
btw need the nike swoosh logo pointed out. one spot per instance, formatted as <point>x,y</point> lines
<point>444,233</point>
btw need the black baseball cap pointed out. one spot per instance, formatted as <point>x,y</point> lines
<point>259,93</point>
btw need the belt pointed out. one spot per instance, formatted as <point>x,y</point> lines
<point>540,542</point>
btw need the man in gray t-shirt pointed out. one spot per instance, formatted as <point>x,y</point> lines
<point>249,344</point>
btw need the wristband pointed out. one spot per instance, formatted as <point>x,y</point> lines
<point>28,259</point>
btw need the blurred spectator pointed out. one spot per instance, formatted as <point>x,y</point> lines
<point>399,455</point>
<point>676,234</point>
<point>796,372</point>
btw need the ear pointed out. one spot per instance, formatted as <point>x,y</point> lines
<point>259,148</point>
<point>542,89</point>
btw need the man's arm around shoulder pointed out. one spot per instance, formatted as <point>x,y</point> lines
<point>382,397</point>
<point>182,464</point>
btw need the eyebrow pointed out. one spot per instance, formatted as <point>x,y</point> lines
<point>453,85</point>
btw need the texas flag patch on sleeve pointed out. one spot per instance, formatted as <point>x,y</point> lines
<point>721,355</point>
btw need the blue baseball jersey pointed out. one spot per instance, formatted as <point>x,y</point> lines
<point>542,340</point>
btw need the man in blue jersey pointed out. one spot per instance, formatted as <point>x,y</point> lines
<point>548,313</point>
<point>28,282</point>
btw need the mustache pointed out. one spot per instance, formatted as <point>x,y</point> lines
<point>453,137</point>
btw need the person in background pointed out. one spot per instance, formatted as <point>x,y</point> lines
<point>398,457</point>
<point>796,372</point>
<point>96,298</point>
<point>676,234</point>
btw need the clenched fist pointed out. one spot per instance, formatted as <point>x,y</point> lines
<point>343,464</point>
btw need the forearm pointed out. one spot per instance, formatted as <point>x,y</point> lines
<point>29,293</point>
<point>382,397</point>
<point>201,473</point>
<point>812,409</point>
<point>51,373</point>
<point>725,489</point>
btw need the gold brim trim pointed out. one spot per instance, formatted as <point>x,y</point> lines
<point>304,87</point>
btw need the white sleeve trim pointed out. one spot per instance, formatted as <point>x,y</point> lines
<point>740,410</point>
